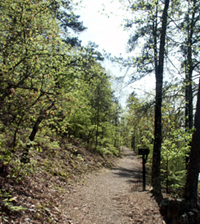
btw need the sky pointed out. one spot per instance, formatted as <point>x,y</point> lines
<point>103,20</point>
<point>105,32</point>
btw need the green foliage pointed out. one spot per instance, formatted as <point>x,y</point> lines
<point>176,138</point>
<point>7,202</point>
<point>107,148</point>
<point>139,122</point>
<point>48,84</point>
<point>107,151</point>
<point>51,91</point>
<point>46,142</point>
<point>174,150</point>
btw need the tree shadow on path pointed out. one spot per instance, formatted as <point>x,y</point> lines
<point>131,175</point>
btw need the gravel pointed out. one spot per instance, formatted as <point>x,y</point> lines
<point>112,196</point>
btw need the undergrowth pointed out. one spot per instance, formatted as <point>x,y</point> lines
<point>53,167</point>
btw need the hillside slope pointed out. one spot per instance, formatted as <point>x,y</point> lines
<point>32,193</point>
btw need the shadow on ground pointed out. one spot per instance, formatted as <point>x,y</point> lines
<point>129,154</point>
<point>132,176</point>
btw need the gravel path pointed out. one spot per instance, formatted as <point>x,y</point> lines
<point>112,197</point>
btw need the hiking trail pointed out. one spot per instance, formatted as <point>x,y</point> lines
<point>112,196</point>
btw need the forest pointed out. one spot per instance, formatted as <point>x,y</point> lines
<point>57,99</point>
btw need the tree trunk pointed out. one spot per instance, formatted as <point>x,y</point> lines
<point>191,184</point>
<point>97,121</point>
<point>156,182</point>
<point>133,142</point>
<point>25,157</point>
<point>188,74</point>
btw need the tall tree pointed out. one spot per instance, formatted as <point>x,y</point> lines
<point>190,29</point>
<point>69,22</point>
<point>191,184</point>
<point>152,25</point>
<point>156,182</point>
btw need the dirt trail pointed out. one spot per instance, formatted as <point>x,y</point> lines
<point>112,197</point>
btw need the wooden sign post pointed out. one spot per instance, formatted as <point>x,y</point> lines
<point>144,152</point>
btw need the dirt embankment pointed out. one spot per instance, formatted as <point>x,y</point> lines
<point>106,196</point>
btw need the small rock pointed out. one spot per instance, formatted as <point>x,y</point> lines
<point>27,219</point>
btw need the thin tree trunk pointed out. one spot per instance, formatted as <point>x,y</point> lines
<point>156,178</point>
<point>188,74</point>
<point>24,157</point>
